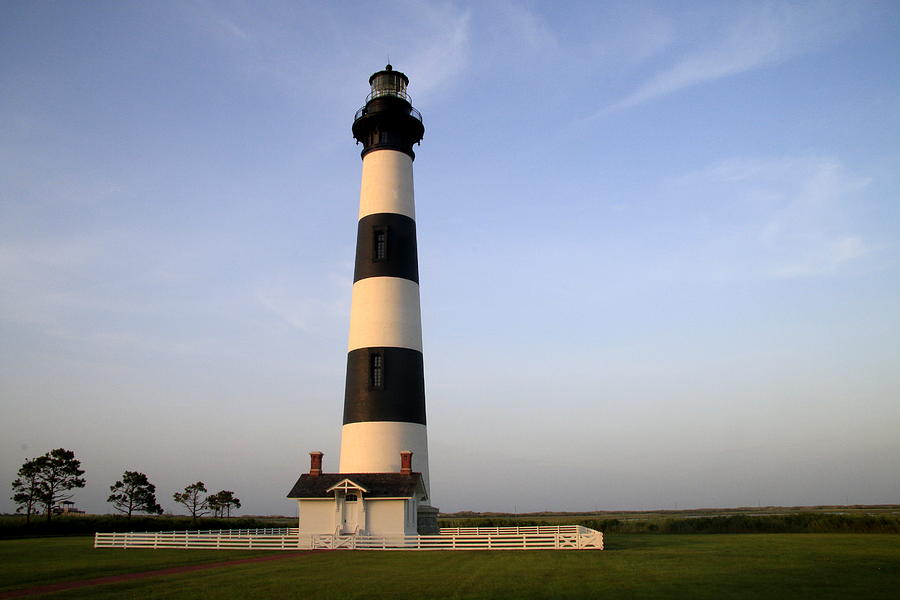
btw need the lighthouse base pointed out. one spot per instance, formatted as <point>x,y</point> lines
<point>427,520</point>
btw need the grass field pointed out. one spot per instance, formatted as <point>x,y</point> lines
<point>818,566</point>
<point>37,561</point>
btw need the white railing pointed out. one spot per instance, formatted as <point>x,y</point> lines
<point>562,537</point>
<point>510,530</point>
<point>254,531</point>
<point>193,539</point>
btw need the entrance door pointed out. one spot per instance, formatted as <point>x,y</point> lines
<point>350,518</point>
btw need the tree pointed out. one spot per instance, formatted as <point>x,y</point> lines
<point>221,503</point>
<point>26,487</point>
<point>134,493</point>
<point>46,480</point>
<point>215,504</point>
<point>192,499</point>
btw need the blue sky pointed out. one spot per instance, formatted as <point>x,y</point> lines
<point>658,245</point>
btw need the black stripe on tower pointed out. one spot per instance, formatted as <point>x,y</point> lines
<point>386,247</point>
<point>384,384</point>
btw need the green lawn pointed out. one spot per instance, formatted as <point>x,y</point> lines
<point>820,566</point>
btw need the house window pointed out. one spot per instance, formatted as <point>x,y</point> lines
<point>350,498</point>
<point>377,371</point>
<point>379,248</point>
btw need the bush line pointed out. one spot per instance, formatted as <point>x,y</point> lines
<point>89,524</point>
<point>785,523</point>
<point>789,523</point>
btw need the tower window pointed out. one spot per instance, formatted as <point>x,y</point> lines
<point>377,371</point>
<point>379,249</point>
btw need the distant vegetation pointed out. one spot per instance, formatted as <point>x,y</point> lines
<point>47,481</point>
<point>134,493</point>
<point>882,519</point>
<point>869,509</point>
<point>823,519</point>
<point>14,526</point>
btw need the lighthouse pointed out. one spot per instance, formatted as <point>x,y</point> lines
<point>384,444</point>
<point>384,401</point>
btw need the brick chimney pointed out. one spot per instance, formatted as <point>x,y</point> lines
<point>406,462</point>
<point>315,464</point>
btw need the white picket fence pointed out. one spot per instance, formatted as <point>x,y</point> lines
<point>562,537</point>
<point>231,532</point>
<point>512,530</point>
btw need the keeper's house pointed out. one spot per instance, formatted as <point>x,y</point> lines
<point>379,504</point>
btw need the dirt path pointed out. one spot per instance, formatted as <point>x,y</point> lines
<point>68,585</point>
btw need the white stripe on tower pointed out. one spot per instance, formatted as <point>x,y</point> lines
<point>384,403</point>
<point>384,311</point>
<point>387,184</point>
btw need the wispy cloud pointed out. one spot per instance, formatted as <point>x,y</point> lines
<point>441,54</point>
<point>321,50</point>
<point>528,26</point>
<point>762,35</point>
<point>522,29</point>
<point>631,34</point>
<point>38,277</point>
<point>793,215</point>
<point>216,22</point>
<point>821,254</point>
<point>303,306</point>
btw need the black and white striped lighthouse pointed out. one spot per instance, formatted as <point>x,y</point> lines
<point>384,402</point>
